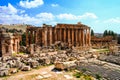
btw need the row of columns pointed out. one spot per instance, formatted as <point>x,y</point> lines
<point>48,36</point>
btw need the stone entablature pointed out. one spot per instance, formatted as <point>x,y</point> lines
<point>73,34</point>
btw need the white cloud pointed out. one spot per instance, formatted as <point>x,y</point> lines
<point>8,9</point>
<point>31,4</point>
<point>54,5</point>
<point>45,16</point>
<point>10,15</point>
<point>67,16</point>
<point>74,17</point>
<point>113,20</point>
<point>88,15</point>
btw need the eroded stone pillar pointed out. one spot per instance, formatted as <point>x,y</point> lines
<point>27,38</point>
<point>83,38</point>
<point>51,38</point>
<point>69,38</point>
<point>60,35</point>
<point>73,36</point>
<point>85,33</point>
<point>80,37</point>
<point>77,36</point>
<point>89,37</point>
<point>46,36</point>
<point>43,37</point>
<point>31,37</point>
<point>64,35</point>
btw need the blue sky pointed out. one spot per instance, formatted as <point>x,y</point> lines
<point>98,14</point>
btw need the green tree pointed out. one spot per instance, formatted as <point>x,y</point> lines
<point>92,33</point>
<point>105,33</point>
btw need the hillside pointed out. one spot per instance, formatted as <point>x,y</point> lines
<point>15,26</point>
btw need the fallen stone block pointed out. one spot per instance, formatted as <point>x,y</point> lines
<point>26,68</point>
<point>4,72</point>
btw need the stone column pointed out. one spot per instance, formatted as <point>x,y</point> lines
<point>83,38</point>
<point>85,33</point>
<point>36,35</point>
<point>31,37</point>
<point>69,38</point>
<point>80,37</point>
<point>64,35</point>
<point>46,37</point>
<point>27,38</point>
<point>73,36</point>
<point>77,36</point>
<point>43,37</point>
<point>60,35</point>
<point>51,39</point>
<point>55,34</point>
<point>89,37</point>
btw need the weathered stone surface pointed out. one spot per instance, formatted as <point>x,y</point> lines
<point>4,72</point>
<point>9,43</point>
<point>23,49</point>
<point>26,68</point>
<point>65,65</point>
<point>13,70</point>
<point>33,63</point>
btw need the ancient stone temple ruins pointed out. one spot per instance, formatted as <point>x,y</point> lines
<point>103,42</point>
<point>9,43</point>
<point>74,34</point>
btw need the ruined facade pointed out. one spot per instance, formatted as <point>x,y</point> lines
<point>9,43</point>
<point>103,42</point>
<point>74,34</point>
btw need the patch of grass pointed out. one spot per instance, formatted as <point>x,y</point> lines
<point>78,74</point>
<point>103,50</point>
<point>83,76</point>
<point>98,76</point>
<point>84,70</point>
<point>87,77</point>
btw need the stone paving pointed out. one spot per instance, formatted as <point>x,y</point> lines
<point>111,73</point>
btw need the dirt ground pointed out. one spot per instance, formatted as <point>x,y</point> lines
<point>43,73</point>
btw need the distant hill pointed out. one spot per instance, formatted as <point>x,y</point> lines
<point>15,26</point>
<point>98,34</point>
